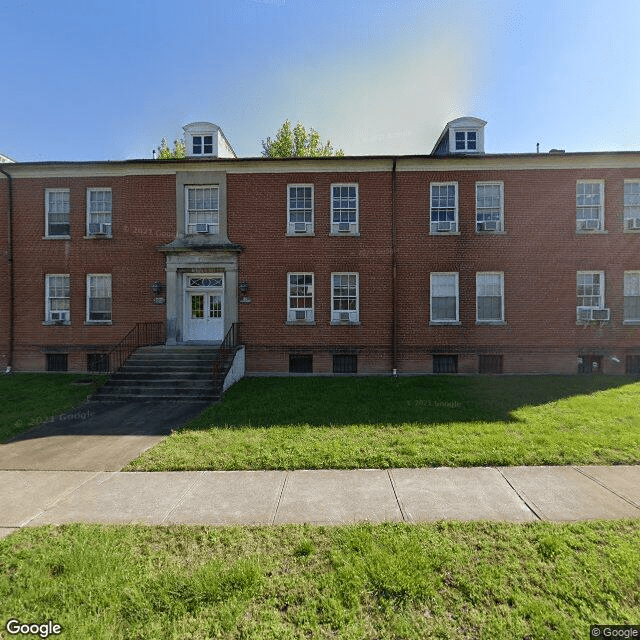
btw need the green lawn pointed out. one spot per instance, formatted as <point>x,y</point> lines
<point>28,399</point>
<point>342,423</point>
<point>442,580</point>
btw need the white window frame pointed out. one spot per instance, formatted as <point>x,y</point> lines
<point>353,314</point>
<point>490,210</point>
<point>466,146</point>
<point>631,289</point>
<point>90,276</point>
<point>583,224</point>
<point>631,209</point>
<point>354,226</point>
<point>433,225</point>
<point>49,311</point>
<point>434,276</point>
<point>292,315</point>
<point>202,143</point>
<point>213,224</point>
<point>479,275</point>
<point>600,296</point>
<point>102,218</point>
<point>309,224</point>
<point>47,211</point>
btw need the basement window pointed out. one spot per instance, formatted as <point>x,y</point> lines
<point>589,363</point>
<point>98,362</point>
<point>57,362</point>
<point>300,363</point>
<point>633,365</point>
<point>345,363</point>
<point>443,363</point>
<point>489,363</point>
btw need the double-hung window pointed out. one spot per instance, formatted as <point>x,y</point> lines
<point>99,210</point>
<point>57,213</point>
<point>99,298</point>
<point>632,205</point>
<point>345,304</point>
<point>300,297</point>
<point>590,301</point>
<point>489,297</point>
<point>202,210</point>
<point>590,205</point>
<point>344,209</point>
<point>632,296</point>
<point>444,298</point>
<point>300,209</point>
<point>489,206</point>
<point>444,207</point>
<point>57,298</point>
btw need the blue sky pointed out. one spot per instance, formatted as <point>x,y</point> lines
<point>106,80</point>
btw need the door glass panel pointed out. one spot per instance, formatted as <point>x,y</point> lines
<point>197,306</point>
<point>215,307</point>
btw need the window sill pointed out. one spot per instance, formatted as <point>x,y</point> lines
<point>56,237</point>
<point>98,237</point>
<point>632,322</point>
<point>491,233</point>
<point>98,323</point>
<point>444,233</point>
<point>491,323</point>
<point>53,323</point>
<point>592,323</point>
<point>306,234</point>
<point>300,323</point>
<point>344,234</point>
<point>631,231</point>
<point>595,232</point>
<point>345,323</point>
<point>445,323</point>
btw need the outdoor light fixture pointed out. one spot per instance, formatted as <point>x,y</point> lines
<point>243,286</point>
<point>156,287</point>
<point>614,359</point>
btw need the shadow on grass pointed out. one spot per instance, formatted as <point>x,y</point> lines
<point>322,401</point>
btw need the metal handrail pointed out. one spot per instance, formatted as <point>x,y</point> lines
<point>227,346</point>
<point>143,334</point>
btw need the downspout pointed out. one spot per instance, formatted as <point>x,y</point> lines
<point>394,328</point>
<point>10,261</point>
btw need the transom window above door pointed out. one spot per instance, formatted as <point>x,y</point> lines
<point>205,282</point>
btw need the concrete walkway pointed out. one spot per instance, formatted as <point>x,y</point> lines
<point>514,494</point>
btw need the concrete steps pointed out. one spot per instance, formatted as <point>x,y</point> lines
<point>168,373</point>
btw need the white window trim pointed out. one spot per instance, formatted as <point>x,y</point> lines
<point>466,131</point>
<point>635,321</point>
<point>354,227</point>
<point>335,315</point>
<point>310,312</point>
<point>290,225</point>
<point>110,223</point>
<point>489,183</point>
<point>626,217</point>
<point>187,187</point>
<point>88,297</point>
<point>502,318</point>
<point>436,321</point>
<point>602,290</point>
<point>47,298</point>
<point>455,214</point>
<point>46,213</point>
<point>600,212</point>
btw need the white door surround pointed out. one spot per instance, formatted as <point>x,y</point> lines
<point>203,307</point>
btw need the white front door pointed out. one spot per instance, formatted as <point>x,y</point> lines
<point>204,313</point>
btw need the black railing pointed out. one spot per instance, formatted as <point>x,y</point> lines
<point>227,347</point>
<point>143,334</point>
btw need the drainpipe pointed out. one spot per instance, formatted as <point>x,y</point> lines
<point>394,329</point>
<point>10,261</point>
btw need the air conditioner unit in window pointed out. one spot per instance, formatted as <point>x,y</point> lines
<point>488,225</point>
<point>600,314</point>
<point>99,229</point>
<point>300,227</point>
<point>60,316</point>
<point>583,314</point>
<point>345,316</point>
<point>590,225</point>
<point>302,314</point>
<point>633,223</point>
<point>444,226</point>
<point>202,228</point>
<point>344,226</point>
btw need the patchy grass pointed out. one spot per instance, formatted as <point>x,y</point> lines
<point>344,423</point>
<point>28,399</point>
<point>442,580</point>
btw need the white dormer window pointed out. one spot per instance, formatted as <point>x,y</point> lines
<point>466,140</point>
<point>202,145</point>
<point>205,139</point>
<point>463,135</point>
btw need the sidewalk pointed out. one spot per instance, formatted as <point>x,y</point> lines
<point>515,494</point>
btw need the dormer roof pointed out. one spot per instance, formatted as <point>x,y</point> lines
<point>469,138</point>
<point>216,144</point>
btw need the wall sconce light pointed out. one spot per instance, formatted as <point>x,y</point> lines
<point>156,287</point>
<point>243,287</point>
<point>614,359</point>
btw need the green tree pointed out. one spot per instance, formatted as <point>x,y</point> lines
<point>297,142</point>
<point>165,153</point>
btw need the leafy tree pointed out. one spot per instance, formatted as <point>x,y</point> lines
<point>297,142</point>
<point>165,153</point>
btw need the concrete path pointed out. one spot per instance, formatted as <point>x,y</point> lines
<point>514,494</point>
<point>96,436</point>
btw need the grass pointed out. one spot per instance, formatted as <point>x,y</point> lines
<point>442,580</point>
<point>343,423</point>
<point>28,399</point>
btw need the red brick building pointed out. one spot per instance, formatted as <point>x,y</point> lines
<point>455,261</point>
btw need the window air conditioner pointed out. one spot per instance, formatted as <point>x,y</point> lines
<point>444,226</point>
<point>300,314</point>
<point>583,314</point>
<point>344,226</point>
<point>202,228</point>
<point>488,225</point>
<point>59,316</point>
<point>633,223</point>
<point>600,314</point>
<point>590,225</point>
<point>300,227</point>
<point>99,229</point>
<point>345,316</point>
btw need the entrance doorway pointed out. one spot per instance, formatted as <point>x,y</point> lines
<point>204,307</point>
